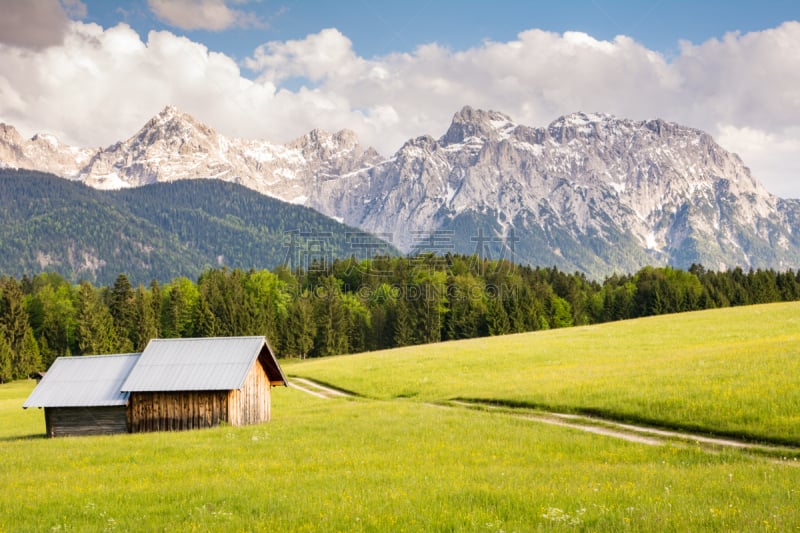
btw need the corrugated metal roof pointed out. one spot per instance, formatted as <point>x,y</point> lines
<point>83,381</point>
<point>220,363</point>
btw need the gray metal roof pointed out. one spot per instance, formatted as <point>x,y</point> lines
<point>83,381</point>
<point>220,363</point>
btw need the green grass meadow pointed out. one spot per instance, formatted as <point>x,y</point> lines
<point>393,460</point>
<point>730,371</point>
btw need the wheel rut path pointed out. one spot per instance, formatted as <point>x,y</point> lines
<point>316,389</point>
<point>600,426</point>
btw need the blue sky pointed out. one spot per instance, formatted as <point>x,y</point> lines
<point>378,28</point>
<point>92,72</point>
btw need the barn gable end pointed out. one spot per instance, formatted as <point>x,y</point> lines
<point>197,383</point>
<point>251,403</point>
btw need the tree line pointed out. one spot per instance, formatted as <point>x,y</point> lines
<point>350,306</point>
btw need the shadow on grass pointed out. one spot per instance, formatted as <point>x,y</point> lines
<point>626,418</point>
<point>32,436</point>
<point>330,386</point>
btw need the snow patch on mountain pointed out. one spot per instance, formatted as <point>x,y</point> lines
<point>589,191</point>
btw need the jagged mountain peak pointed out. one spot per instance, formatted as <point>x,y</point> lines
<point>167,148</point>
<point>581,118</point>
<point>344,138</point>
<point>469,122</point>
<point>171,112</point>
<point>167,115</point>
<point>590,191</point>
<point>170,121</point>
<point>580,124</point>
<point>9,134</point>
<point>47,139</point>
<point>332,153</point>
<point>468,114</point>
<point>423,141</point>
<point>43,151</point>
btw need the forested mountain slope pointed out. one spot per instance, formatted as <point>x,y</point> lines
<point>160,231</point>
<point>589,192</point>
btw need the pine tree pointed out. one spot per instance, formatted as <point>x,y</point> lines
<point>15,324</point>
<point>58,325</point>
<point>145,323</point>
<point>155,302</point>
<point>301,328</point>
<point>205,322</point>
<point>6,357</point>
<point>465,318</point>
<point>229,302</point>
<point>331,319</point>
<point>267,300</point>
<point>28,359</point>
<point>358,321</point>
<point>122,309</point>
<point>497,318</point>
<point>380,300</point>
<point>430,304</point>
<point>403,324</point>
<point>13,316</point>
<point>174,312</point>
<point>94,325</point>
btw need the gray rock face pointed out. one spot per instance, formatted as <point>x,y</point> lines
<point>174,146</point>
<point>589,192</point>
<point>42,152</point>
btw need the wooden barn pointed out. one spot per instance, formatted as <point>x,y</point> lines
<point>174,384</point>
<point>83,396</point>
<point>182,384</point>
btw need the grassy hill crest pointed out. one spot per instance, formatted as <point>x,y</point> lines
<point>729,371</point>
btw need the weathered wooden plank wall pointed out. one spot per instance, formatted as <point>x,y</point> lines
<point>177,411</point>
<point>251,404</point>
<point>73,421</point>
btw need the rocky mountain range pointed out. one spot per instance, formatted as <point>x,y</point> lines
<point>589,192</point>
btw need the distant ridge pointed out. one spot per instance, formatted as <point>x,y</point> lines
<point>162,231</point>
<point>590,192</point>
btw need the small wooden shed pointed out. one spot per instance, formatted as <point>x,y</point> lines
<point>174,384</point>
<point>82,395</point>
<point>180,384</point>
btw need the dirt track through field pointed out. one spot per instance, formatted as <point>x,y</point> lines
<point>639,434</point>
<point>316,389</point>
<point>599,426</point>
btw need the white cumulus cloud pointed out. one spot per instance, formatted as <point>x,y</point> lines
<point>317,57</point>
<point>768,154</point>
<point>214,15</point>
